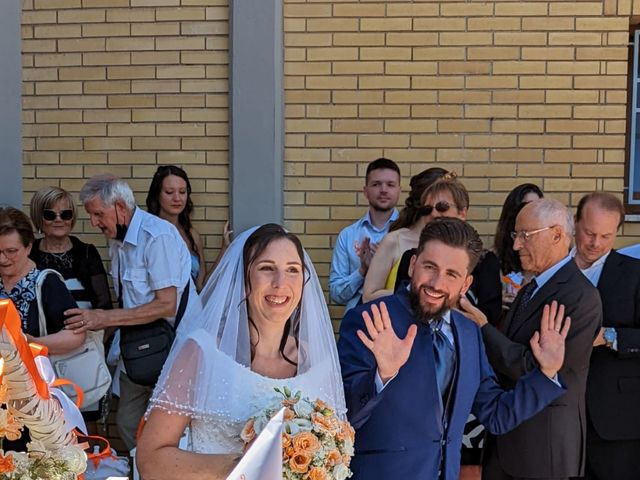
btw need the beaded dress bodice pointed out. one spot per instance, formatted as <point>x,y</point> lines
<point>242,394</point>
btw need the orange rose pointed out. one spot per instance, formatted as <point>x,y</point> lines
<point>346,432</point>
<point>6,464</point>
<point>346,459</point>
<point>299,462</point>
<point>289,414</point>
<point>333,458</point>
<point>326,424</point>
<point>248,432</point>
<point>317,473</point>
<point>306,442</point>
<point>287,447</point>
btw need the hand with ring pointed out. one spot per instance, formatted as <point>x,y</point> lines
<point>80,320</point>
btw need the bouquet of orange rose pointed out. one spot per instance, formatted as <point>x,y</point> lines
<point>316,444</point>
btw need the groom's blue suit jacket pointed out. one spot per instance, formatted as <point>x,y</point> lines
<point>399,431</point>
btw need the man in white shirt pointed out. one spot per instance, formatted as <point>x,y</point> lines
<point>613,428</point>
<point>150,268</point>
<point>357,243</point>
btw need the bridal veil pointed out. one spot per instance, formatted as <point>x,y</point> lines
<point>212,343</point>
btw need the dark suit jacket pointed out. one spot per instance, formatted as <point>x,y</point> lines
<point>613,386</point>
<point>551,444</point>
<point>399,431</point>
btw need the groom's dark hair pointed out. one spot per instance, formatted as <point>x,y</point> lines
<point>453,232</point>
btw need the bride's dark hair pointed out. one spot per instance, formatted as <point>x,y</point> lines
<point>257,243</point>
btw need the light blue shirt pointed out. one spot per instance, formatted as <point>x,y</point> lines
<point>631,251</point>
<point>545,276</point>
<point>345,279</point>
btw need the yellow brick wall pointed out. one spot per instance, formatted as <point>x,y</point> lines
<point>122,86</point>
<point>501,92</point>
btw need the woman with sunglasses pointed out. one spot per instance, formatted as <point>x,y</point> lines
<point>53,213</point>
<point>405,232</point>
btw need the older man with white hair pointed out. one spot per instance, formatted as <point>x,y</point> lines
<point>551,445</point>
<point>151,268</point>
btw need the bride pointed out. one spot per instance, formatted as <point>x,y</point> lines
<point>264,324</point>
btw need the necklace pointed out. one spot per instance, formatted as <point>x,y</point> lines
<point>66,246</point>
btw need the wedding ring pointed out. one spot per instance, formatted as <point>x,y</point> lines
<point>82,323</point>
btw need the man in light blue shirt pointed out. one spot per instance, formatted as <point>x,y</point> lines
<point>357,243</point>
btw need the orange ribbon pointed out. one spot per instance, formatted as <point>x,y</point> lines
<point>10,319</point>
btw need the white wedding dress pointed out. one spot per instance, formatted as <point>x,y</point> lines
<point>238,394</point>
<point>207,376</point>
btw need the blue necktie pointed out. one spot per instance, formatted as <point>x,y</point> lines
<point>444,354</point>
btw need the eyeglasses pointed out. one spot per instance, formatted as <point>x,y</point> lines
<point>524,235</point>
<point>441,207</point>
<point>51,215</point>
<point>10,253</point>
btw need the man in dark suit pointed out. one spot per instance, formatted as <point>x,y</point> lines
<point>550,445</point>
<point>613,384</point>
<point>412,379</point>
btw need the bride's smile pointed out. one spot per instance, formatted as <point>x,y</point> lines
<point>274,284</point>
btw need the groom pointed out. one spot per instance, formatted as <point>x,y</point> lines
<point>411,380</point>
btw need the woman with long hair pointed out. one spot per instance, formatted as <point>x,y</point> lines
<point>513,278</point>
<point>169,197</point>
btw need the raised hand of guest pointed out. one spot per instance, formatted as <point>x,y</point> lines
<point>390,351</point>
<point>548,344</point>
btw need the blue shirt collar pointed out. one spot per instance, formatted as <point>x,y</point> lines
<point>551,271</point>
<point>367,220</point>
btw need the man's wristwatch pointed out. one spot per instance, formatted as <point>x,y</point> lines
<point>610,336</point>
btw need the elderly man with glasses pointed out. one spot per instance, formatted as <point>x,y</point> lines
<point>551,445</point>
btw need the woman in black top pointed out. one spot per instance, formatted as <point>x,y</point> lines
<point>18,276</point>
<point>53,213</point>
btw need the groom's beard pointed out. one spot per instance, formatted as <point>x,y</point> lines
<point>424,313</point>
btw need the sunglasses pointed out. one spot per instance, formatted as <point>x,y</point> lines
<point>51,215</point>
<point>440,207</point>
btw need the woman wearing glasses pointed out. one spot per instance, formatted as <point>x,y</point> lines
<point>53,213</point>
<point>18,282</point>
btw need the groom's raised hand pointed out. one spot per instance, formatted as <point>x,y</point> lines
<point>548,344</point>
<point>390,352</point>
